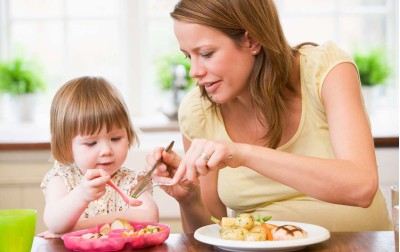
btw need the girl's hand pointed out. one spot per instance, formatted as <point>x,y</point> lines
<point>204,156</point>
<point>93,184</point>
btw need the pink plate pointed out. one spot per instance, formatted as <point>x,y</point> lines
<point>115,241</point>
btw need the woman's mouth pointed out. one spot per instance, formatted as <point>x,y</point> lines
<point>211,87</point>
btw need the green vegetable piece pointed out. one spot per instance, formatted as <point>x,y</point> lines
<point>263,218</point>
<point>215,220</point>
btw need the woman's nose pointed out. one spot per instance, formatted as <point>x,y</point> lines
<point>197,70</point>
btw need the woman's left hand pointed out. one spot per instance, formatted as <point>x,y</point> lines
<point>204,156</point>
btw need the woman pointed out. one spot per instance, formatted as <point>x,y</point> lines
<point>271,130</point>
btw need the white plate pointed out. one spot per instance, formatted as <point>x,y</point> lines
<point>210,235</point>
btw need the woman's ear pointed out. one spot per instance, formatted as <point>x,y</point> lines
<point>253,45</point>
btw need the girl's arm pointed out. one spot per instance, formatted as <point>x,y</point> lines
<point>62,214</point>
<point>63,209</point>
<point>146,212</point>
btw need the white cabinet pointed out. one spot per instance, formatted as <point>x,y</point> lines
<point>388,167</point>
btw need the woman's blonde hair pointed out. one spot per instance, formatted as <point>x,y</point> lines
<point>274,63</point>
<point>82,106</point>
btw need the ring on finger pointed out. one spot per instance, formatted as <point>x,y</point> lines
<point>204,156</point>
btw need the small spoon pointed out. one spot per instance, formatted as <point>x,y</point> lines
<point>130,201</point>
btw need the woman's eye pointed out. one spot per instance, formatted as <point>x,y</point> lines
<point>115,139</point>
<point>207,54</point>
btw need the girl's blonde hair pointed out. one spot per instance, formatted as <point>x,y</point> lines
<point>82,106</point>
<point>274,63</point>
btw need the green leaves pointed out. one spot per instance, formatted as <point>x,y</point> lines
<point>165,66</point>
<point>372,66</point>
<point>19,76</point>
<point>263,219</point>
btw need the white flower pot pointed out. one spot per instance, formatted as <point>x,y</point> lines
<point>24,107</point>
<point>372,94</point>
<point>5,107</point>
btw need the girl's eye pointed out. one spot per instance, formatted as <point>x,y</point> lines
<point>91,143</point>
<point>187,56</point>
<point>115,139</point>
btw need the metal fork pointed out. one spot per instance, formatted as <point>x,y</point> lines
<point>147,178</point>
<point>155,185</point>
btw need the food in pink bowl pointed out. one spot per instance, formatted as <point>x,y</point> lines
<point>116,235</point>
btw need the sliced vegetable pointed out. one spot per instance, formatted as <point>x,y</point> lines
<point>267,231</point>
<point>215,220</point>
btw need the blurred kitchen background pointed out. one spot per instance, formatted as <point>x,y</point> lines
<point>44,43</point>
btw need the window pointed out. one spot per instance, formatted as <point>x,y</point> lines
<point>68,38</point>
<point>122,39</point>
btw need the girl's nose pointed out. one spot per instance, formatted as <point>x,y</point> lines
<point>105,149</point>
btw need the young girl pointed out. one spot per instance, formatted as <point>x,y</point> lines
<point>91,134</point>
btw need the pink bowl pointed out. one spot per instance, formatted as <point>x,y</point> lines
<point>115,241</point>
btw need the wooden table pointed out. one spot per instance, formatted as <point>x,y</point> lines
<point>339,241</point>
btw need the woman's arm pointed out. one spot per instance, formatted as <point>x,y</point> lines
<point>349,179</point>
<point>198,197</point>
<point>201,202</point>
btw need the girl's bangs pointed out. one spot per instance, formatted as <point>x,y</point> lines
<point>91,121</point>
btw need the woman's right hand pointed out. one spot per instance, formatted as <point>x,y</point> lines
<point>165,171</point>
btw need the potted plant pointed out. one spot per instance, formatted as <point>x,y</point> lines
<point>173,79</point>
<point>372,66</point>
<point>374,71</point>
<point>20,79</point>
<point>165,67</point>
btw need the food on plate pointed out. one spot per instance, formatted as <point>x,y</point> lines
<point>121,224</point>
<point>94,236</point>
<point>106,229</point>
<point>246,228</point>
<point>104,238</point>
<point>149,229</point>
<point>245,221</point>
<point>288,232</point>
